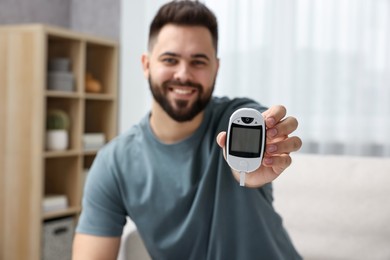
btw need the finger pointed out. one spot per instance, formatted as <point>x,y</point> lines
<point>274,114</point>
<point>283,128</point>
<point>221,139</point>
<point>288,145</point>
<point>278,163</point>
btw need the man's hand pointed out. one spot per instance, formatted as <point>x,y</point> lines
<point>279,145</point>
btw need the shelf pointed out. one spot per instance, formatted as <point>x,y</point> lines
<point>58,154</point>
<point>99,96</point>
<point>61,213</point>
<point>39,57</point>
<point>61,94</point>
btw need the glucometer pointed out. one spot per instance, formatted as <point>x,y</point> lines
<point>245,141</point>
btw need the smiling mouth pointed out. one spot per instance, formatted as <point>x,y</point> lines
<point>183,91</point>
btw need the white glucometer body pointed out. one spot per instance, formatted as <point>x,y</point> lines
<point>245,140</point>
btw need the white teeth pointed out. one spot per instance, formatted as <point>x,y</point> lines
<point>182,91</point>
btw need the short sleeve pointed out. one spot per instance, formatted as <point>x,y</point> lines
<point>103,212</point>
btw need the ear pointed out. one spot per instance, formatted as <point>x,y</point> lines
<point>145,64</point>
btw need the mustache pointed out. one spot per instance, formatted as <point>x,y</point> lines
<point>187,83</point>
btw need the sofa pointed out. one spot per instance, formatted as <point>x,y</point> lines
<point>334,207</point>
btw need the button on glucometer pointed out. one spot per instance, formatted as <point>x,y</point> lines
<point>247,120</point>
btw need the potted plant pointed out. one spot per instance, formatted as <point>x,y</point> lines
<point>57,125</point>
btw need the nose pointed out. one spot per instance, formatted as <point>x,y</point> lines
<point>183,73</point>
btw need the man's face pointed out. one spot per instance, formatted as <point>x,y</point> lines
<point>181,69</point>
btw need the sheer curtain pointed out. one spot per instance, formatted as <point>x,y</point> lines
<point>327,61</point>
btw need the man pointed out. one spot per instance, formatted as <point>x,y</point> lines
<point>168,173</point>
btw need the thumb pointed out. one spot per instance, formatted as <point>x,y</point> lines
<point>221,139</point>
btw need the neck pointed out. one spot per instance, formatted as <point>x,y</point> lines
<point>170,131</point>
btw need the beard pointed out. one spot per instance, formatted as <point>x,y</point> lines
<point>181,110</point>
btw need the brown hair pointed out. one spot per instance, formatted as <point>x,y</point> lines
<point>185,12</point>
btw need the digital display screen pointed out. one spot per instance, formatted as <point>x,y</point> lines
<point>245,141</point>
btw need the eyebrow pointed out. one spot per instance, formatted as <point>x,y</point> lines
<point>200,55</point>
<point>173,54</point>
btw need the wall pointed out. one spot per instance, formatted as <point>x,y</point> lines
<point>134,91</point>
<point>97,17</point>
<point>55,12</point>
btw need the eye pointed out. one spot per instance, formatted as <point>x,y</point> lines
<point>169,61</point>
<point>198,63</point>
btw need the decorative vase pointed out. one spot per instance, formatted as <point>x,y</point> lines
<point>57,140</point>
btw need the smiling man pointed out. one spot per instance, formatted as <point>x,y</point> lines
<point>168,172</point>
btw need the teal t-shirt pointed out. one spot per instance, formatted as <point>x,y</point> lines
<point>183,197</point>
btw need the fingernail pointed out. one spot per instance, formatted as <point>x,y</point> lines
<point>271,148</point>
<point>270,121</point>
<point>268,160</point>
<point>272,132</point>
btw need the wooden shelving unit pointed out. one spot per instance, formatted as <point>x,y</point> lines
<point>28,170</point>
